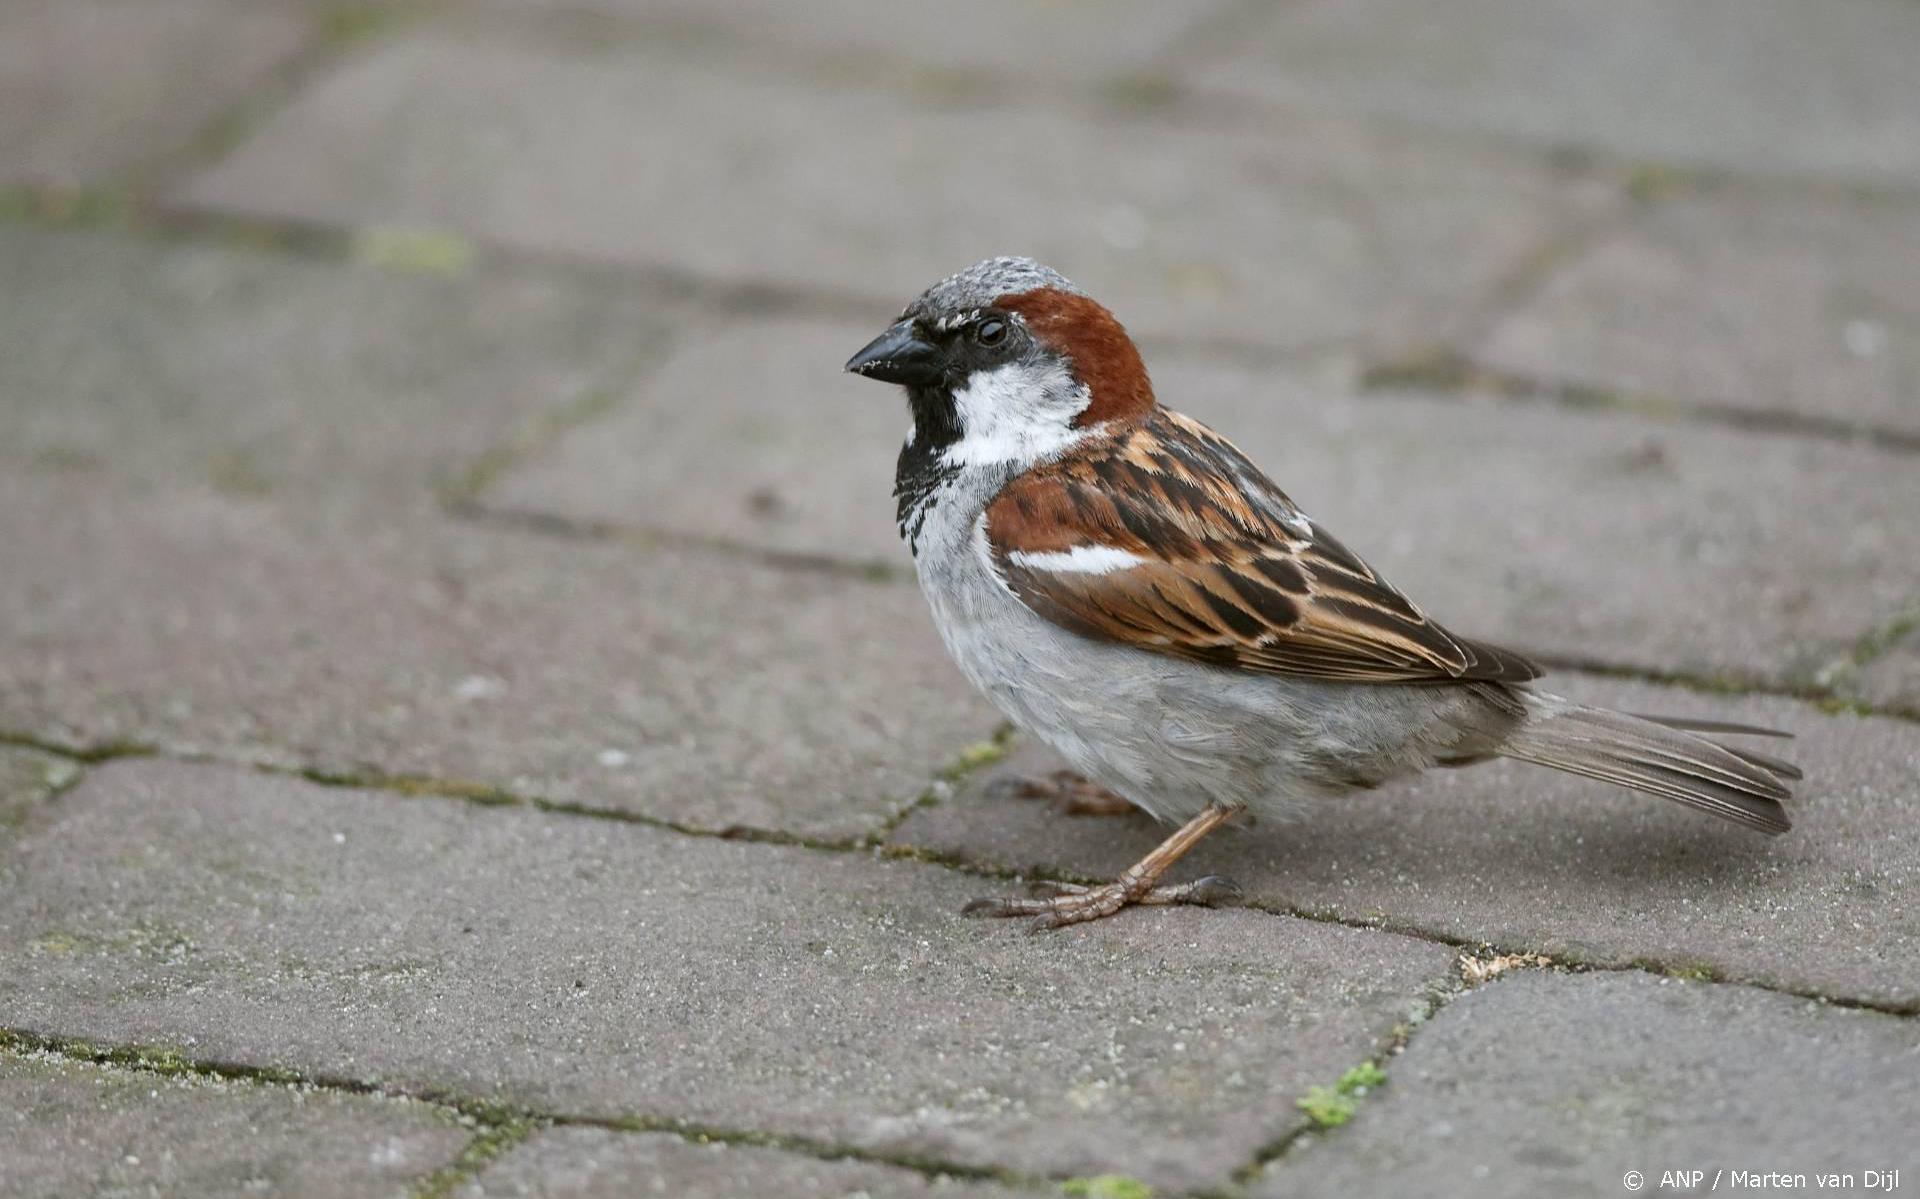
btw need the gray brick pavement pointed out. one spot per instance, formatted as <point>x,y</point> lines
<point>28,779</point>
<point>604,969</point>
<point>1530,859</point>
<point>73,1129</point>
<point>675,684</point>
<point>235,457</point>
<point>594,1163</point>
<point>1768,304</point>
<point>1039,39</point>
<point>1891,677</point>
<point>1773,87</point>
<point>91,89</point>
<point>1547,1084</point>
<point>315,384</point>
<point>1300,232</point>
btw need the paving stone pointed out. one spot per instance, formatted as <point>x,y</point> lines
<point>89,89</point>
<point>1823,90</point>
<point>1891,679</point>
<point>593,1163</point>
<point>751,434</point>
<point>1594,535</point>
<point>682,685</point>
<point>1053,37</point>
<point>271,377</point>
<point>1532,859</point>
<point>1801,305</point>
<point>1545,1084</point>
<point>76,1129</point>
<point>28,779</point>
<point>612,970</point>
<point>1301,232</point>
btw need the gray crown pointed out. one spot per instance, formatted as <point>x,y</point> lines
<point>984,282</point>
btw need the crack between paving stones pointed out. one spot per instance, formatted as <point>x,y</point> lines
<point>501,1125</point>
<point>969,761</point>
<point>1530,275</point>
<point>1443,992</point>
<point>338,31</point>
<point>488,1145</point>
<point>576,27</point>
<point>1432,374</point>
<point>1448,373</point>
<point>974,758</point>
<point>977,756</point>
<point>136,214</point>
<point>871,570</point>
<point>1872,645</point>
<point>1822,697</point>
<point>1438,994</point>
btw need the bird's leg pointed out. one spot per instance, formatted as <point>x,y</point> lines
<point>1071,903</point>
<point>1068,793</point>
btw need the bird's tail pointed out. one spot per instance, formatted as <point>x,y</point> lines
<point>1664,756</point>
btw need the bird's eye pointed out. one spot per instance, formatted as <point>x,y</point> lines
<point>990,332</point>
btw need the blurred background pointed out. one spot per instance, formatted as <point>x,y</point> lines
<point>444,399</point>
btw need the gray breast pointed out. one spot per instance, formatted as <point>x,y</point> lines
<point>1168,734</point>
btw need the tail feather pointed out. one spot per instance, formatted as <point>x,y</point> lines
<point>1692,725</point>
<point>1767,762</point>
<point>1660,756</point>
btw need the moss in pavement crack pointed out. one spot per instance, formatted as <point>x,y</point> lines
<point>1106,1186</point>
<point>487,1146</point>
<point>1330,1107</point>
<point>970,760</point>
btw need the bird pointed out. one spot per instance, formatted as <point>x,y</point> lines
<point>1129,589</point>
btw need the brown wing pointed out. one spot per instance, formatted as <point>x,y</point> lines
<point>1168,538</point>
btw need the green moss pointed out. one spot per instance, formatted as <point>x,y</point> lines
<point>56,943</point>
<point>1361,1079</point>
<point>66,457</point>
<point>418,251</point>
<point>488,1145</point>
<point>1651,182</point>
<point>1432,370</point>
<point>1330,1107</point>
<point>350,23</point>
<point>1141,91</point>
<point>1326,1107</point>
<point>980,754</point>
<point>234,472</point>
<point>1106,1186</point>
<point>57,205</point>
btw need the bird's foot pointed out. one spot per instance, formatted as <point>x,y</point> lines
<point>1071,903</point>
<point>1067,793</point>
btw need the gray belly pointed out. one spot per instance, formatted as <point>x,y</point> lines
<point>1170,735</point>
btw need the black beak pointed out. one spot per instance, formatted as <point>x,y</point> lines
<point>898,356</point>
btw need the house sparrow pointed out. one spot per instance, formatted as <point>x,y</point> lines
<point>1131,590</point>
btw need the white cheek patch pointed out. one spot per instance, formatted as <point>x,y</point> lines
<point>1019,413</point>
<point>1081,560</point>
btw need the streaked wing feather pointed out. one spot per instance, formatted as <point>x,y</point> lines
<point>1227,570</point>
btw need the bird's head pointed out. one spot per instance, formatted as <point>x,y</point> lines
<point>1006,363</point>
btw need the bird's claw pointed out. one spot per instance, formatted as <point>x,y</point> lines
<point>1057,905</point>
